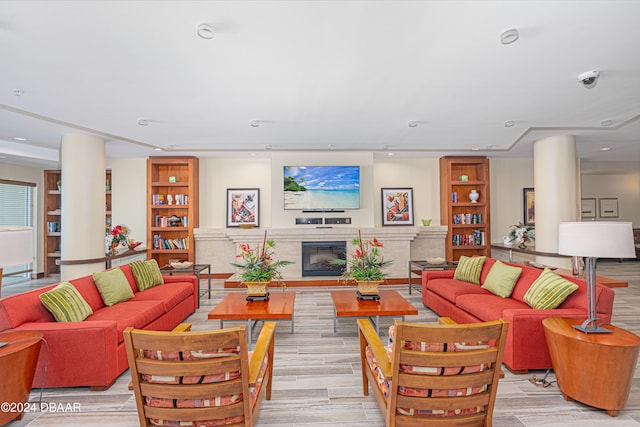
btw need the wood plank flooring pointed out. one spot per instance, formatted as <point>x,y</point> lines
<point>317,379</point>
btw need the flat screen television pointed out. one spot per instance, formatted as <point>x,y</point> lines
<point>321,188</point>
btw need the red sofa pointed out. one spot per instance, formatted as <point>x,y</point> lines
<point>92,352</point>
<point>526,347</point>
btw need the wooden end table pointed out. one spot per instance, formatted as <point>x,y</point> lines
<point>234,306</point>
<point>595,369</point>
<point>391,303</point>
<point>18,361</point>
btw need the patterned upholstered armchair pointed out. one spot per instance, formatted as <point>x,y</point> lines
<point>444,374</point>
<point>203,378</point>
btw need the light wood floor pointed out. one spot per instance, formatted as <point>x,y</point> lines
<point>317,373</point>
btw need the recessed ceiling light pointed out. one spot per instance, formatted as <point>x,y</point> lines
<point>509,123</point>
<point>606,122</point>
<point>255,123</point>
<point>475,149</point>
<point>143,122</point>
<point>391,154</point>
<point>412,123</point>
<point>17,138</point>
<point>18,92</point>
<point>206,31</point>
<point>605,149</point>
<point>158,149</point>
<point>509,36</point>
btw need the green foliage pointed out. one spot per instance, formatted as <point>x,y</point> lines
<point>258,264</point>
<point>290,184</point>
<point>365,263</point>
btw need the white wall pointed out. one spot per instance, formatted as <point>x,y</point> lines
<point>36,176</point>
<point>129,195</point>
<point>622,186</point>
<point>508,179</point>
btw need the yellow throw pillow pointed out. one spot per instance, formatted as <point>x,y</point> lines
<point>469,269</point>
<point>147,274</point>
<point>65,303</point>
<point>501,279</point>
<point>548,291</point>
<point>113,286</point>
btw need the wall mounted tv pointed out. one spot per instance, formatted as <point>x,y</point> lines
<point>321,188</point>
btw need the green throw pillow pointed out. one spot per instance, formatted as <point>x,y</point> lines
<point>502,279</point>
<point>147,274</point>
<point>113,286</point>
<point>65,303</point>
<point>469,269</point>
<point>548,291</point>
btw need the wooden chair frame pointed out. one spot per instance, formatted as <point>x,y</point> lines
<point>446,331</point>
<point>183,340</point>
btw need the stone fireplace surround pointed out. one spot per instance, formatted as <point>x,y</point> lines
<point>219,246</point>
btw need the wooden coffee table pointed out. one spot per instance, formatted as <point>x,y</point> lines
<point>235,307</point>
<point>391,303</point>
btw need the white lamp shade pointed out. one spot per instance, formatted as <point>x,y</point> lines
<point>16,246</point>
<point>597,239</point>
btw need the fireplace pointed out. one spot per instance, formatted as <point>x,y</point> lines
<point>316,257</point>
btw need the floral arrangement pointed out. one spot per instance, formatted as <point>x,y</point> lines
<point>258,264</point>
<point>119,234</point>
<point>365,263</point>
<point>522,234</point>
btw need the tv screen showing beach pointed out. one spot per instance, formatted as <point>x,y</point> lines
<point>321,187</point>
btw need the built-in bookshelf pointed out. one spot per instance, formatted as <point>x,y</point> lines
<point>172,213</point>
<point>467,221</point>
<point>53,217</point>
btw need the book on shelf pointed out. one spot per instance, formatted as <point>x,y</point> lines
<point>179,243</point>
<point>467,218</point>
<point>475,238</point>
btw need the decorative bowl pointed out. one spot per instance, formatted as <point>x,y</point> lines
<point>181,264</point>
<point>436,261</point>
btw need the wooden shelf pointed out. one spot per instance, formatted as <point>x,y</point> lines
<point>53,214</point>
<point>477,171</point>
<point>159,171</point>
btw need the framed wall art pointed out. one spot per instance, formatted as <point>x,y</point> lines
<point>608,208</point>
<point>397,206</point>
<point>529,206</point>
<point>588,208</point>
<point>243,207</point>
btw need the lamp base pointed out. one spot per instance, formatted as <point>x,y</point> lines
<point>590,326</point>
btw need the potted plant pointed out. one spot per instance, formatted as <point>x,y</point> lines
<point>364,265</point>
<point>258,268</point>
<point>119,235</point>
<point>522,234</point>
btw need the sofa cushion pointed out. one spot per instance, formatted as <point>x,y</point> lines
<point>171,294</point>
<point>113,286</point>
<point>502,279</point>
<point>450,289</point>
<point>488,307</point>
<point>147,274</point>
<point>137,314</point>
<point>65,303</point>
<point>549,291</point>
<point>469,269</point>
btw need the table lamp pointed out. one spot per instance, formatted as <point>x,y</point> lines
<point>16,247</point>
<point>593,240</point>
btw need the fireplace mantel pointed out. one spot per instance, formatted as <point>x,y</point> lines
<point>219,246</point>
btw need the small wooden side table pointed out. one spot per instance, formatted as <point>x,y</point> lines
<point>18,361</point>
<point>595,369</point>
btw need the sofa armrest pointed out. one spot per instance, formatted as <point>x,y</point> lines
<point>437,274</point>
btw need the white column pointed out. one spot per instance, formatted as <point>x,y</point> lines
<point>83,203</point>
<point>556,181</point>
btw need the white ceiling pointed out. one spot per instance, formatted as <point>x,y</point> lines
<point>318,75</point>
